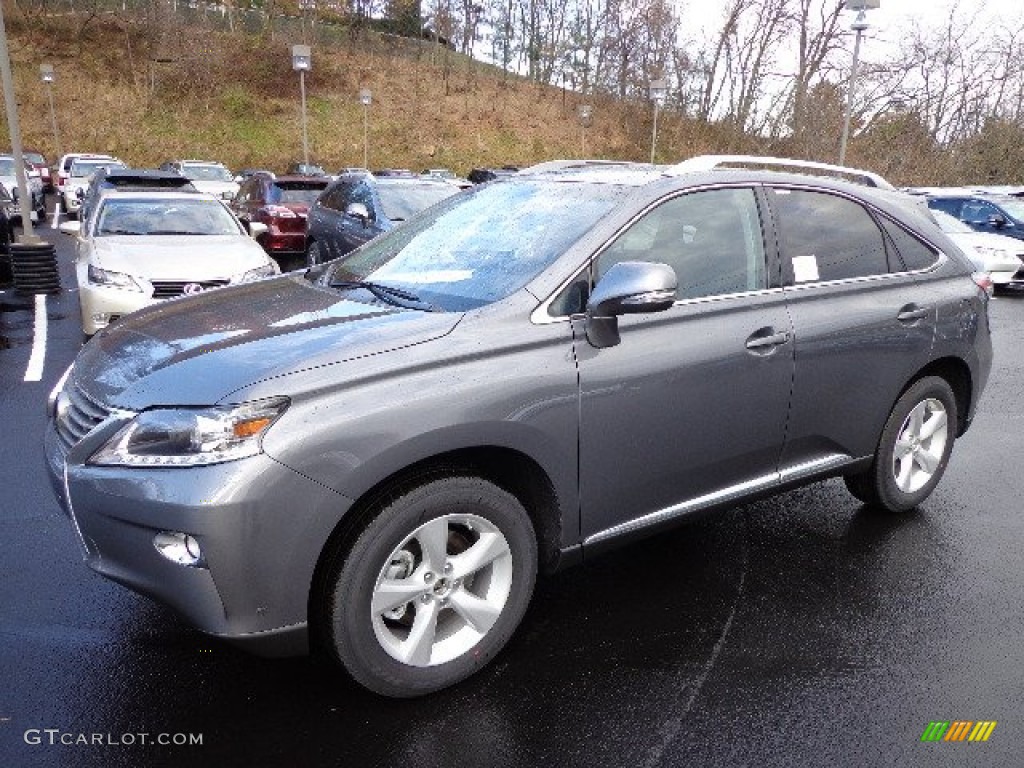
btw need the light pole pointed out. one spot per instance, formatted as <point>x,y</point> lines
<point>48,76</point>
<point>658,89</point>
<point>585,112</point>
<point>858,26</point>
<point>24,198</point>
<point>366,98</point>
<point>302,62</point>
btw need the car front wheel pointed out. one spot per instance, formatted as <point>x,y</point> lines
<point>432,589</point>
<point>314,254</point>
<point>913,450</point>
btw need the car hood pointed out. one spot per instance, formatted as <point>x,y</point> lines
<point>216,188</point>
<point>198,350</point>
<point>178,257</point>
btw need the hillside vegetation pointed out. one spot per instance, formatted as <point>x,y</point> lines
<point>149,85</point>
<point>235,98</point>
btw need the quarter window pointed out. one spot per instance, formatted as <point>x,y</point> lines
<point>826,237</point>
<point>914,254</point>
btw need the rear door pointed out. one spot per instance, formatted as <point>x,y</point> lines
<point>690,407</point>
<point>863,324</point>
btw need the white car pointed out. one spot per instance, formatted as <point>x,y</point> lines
<point>76,181</point>
<point>206,176</point>
<point>1001,256</point>
<point>139,248</point>
<point>9,179</point>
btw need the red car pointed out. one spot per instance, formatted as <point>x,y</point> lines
<point>282,204</point>
<point>38,162</point>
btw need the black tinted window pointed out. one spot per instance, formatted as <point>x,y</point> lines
<point>826,237</point>
<point>711,239</point>
<point>912,252</point>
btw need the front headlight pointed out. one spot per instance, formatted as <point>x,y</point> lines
<point>267,270</point>
<point>177,437</point>
<point>110,279</point>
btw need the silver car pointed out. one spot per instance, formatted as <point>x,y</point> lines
<point>375,458</point>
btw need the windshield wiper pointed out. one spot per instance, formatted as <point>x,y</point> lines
<point>174,232</point>
<point>388,293</point>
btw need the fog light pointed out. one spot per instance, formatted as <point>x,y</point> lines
<point>180,548</point>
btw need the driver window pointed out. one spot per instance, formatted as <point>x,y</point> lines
<point>712,240</point>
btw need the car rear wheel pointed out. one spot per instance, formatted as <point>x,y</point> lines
<point>432,588</point>
<point>914,448</point>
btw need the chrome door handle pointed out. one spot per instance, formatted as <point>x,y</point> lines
<point>760,342</point>
<point>908,314</point>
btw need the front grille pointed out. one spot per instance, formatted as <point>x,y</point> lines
<point>169,289</point>
<point>77,416</point>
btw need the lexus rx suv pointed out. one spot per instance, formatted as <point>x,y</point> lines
<point>376,457</point>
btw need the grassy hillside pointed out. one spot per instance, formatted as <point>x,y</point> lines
<point>235,98</point>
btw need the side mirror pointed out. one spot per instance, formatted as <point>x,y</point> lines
<point>80,193</point>
<point>998,221</point>
<point>257,228</point>
<point>71,228</point>
<point>358,211</point>
<point>628,288</point>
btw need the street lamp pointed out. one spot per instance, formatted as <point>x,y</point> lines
<point>858,26</point>
<point>585,113</point>
<point>658,90</point>
<point>47,75</point>
<point>302,62</point>
<point>366,98</point>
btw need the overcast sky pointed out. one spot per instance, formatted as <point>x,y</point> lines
<point>887,21</point>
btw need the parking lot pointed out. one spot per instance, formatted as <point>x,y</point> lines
<point>803,630</point>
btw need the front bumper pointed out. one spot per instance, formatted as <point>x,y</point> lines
<point>261,527</point>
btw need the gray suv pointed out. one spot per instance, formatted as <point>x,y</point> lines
<point>376,457</point>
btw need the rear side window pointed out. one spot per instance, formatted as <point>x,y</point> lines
<point>912,252</point>
<point>827,237</point>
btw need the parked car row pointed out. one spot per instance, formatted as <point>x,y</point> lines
<point>987,223</point>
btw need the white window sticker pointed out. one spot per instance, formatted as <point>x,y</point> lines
<point>805,269</point>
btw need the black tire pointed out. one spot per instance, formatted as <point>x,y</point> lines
<point>897,483</point>
<point>364,640</point>
<point>314,254</point>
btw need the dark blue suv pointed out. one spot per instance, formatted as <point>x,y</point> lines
<point>996,214</point>
<point>358,206</point>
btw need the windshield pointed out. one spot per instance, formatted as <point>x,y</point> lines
<point>950,224</point>
<point>35,158</point>
<point>300,192</point>
<point>1013,207</point>
<point>83,168</point>
<point>206,173</point>
<point>480,247</point>
<point>120,216</point>
<point>403,201</point>
<point>6,166</point>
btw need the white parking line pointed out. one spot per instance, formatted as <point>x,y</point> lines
<point>56,214</point>
<point>34,370</point>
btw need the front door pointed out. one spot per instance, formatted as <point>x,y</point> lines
<point>690,407</point>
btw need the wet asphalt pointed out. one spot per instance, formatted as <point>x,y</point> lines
<point>804,630</point>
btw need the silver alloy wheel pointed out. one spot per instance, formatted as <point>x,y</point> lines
<point>920,446</point>
<point>441,590</point>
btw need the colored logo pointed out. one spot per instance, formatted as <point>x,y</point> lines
<point>958,730</point>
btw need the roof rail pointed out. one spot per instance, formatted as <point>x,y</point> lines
<point>566,165</point>
<point>711,162</point>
